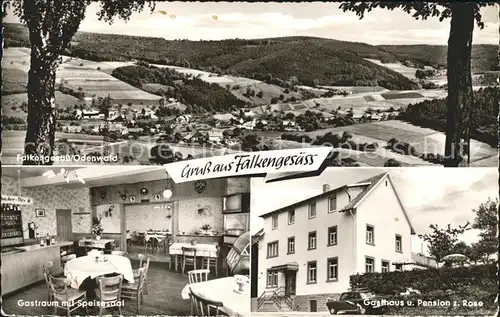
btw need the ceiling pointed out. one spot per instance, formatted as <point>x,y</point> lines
<point>30,171</point>
<point>94,176</point>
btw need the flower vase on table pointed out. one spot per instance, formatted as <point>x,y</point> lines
<point>97,227</point>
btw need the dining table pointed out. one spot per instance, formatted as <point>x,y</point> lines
<point>225,290</point>
<point>89,267</point>
<point>202,250</point>
<point>159,236</point>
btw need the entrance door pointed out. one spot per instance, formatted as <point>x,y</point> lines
<point>290,282</point>
<point>64,228</point>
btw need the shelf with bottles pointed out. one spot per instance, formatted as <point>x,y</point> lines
<point>10,208</point>
<point>11,224</point>
<point>11,221</point>
<point>11,233</point>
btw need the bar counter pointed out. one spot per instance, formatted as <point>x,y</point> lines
<point>24,267</point>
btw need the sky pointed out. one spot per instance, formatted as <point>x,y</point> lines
<point>430,195</point>
<point>223,20</point>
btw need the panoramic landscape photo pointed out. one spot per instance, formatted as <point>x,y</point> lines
<point>97,82</point>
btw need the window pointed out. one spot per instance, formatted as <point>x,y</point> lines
<point>399,243</point>
<point>333,269</point>
<point>332,235</point>
<point>272,279</point>
<point>398,267</point>
<point>291,217</point>
<point>385,266</point>
<point>369,265</point>
<point>332,203</point>
<point>312,210</point>
<point>312,240</point>
<point>311,272</point>
<point>313,306</point>
<point>291,245</point>
<point>370,235</point>
<point>275,221</point>
<point>272,249</point>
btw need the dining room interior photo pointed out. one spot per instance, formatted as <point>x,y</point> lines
<point>128,240</point>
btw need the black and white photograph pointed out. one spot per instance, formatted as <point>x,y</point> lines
<point>145,82</point>
<point>405,241</point>
<point>174,250</point>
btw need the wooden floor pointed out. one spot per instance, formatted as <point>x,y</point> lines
<point>164,297</point>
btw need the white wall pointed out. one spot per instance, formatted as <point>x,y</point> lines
<point>382,210</point>
<point>303,225</point>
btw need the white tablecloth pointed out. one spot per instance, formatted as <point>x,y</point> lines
<point>158,237</point>
<point>223,290</point>
<point>79,269</point>
<point>92,243</point>
<point>202,250</point>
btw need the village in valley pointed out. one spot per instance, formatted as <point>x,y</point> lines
<point>379,106</point>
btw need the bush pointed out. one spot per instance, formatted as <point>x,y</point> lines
<point>297,138</point>
<point>428,280</point>
<point>392,163</point>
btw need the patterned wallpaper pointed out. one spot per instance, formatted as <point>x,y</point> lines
<point>237,185</point>
<point>51,198</point>
<point>189,219</point>
<point>189,201</point>
<point>142,217</point>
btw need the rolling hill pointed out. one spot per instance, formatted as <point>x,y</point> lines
<point>277,60</point>
<point>484,57</point>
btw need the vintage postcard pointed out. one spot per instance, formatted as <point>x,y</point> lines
<point>178,80</point>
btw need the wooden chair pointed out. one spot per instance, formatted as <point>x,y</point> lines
<point>212,262</point>
<point>197,276</point>
<point>174,258</point>
<point>143,263</point>
<point>152,244</point>
<point>65,259</point>
<point>109,292</point>
<point>204,307</point>
<point>120,253</point>
<point>188,258</point>
<point>135,290</point>
<point>64,296</point>
<point>47,272</point>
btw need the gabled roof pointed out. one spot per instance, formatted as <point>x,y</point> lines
<point>368,184</point>
<point>374,181</point>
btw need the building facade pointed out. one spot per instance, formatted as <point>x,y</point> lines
<point>308,250</point>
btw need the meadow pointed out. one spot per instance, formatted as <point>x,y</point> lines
<point>93,78</point>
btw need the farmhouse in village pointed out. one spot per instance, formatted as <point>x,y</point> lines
<point>307,251</point>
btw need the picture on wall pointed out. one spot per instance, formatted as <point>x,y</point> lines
<point>110,217</point>
<point>40,212</point>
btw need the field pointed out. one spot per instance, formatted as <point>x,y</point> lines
<point>13,143</point>
<point>11,104</point>
<point>406,71</point>
<point>423,139</point>
<point>91,77</point>
<point>238,86</point>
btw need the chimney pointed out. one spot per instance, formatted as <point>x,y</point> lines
<point>326,188</point>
